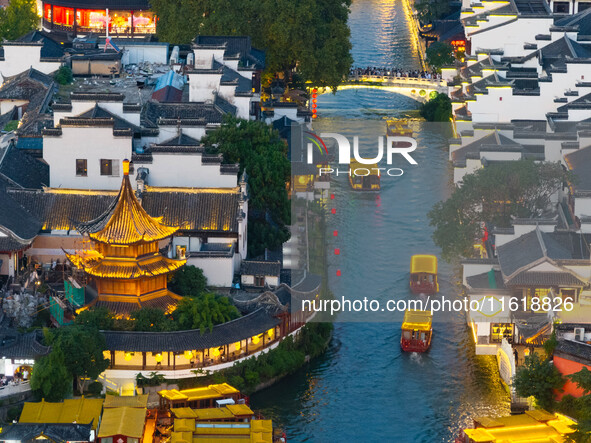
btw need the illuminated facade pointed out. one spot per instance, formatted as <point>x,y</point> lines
<point>127,17</point>
<point>124,261</point>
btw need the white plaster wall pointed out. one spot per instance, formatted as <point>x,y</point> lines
<point>168,132</point>
<point>186,170</point>
<point>92,144</point>
<point>202,86</point>
<point>205,57</point>
<point>219,271</point>
<point>18,59</point>
<point>582,206</point>
<point>510,37</point>
<point>582,271</point>
<point>470,269</point>
<point>134,54</point>
<point>7,105</point>
<point>500,156</point>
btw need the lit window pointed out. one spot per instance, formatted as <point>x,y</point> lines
<point>81,167</point>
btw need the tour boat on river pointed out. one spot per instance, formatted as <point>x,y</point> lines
<point>423,274</point>
<point>398,128</point>
<point>417,330</point>
<point>364,177</point>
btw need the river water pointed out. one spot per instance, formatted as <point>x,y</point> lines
<point>364,388</point>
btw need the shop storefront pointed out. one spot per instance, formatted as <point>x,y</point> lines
<point>122,20</point>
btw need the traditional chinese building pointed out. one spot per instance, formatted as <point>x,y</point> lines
<point>122,18</point>
<point>124,260</point>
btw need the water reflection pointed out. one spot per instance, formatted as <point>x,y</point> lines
<point>364,388</point>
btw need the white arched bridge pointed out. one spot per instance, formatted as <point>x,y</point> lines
<point>417,88</point>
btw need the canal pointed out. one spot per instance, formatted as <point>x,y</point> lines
<point>364,388</point>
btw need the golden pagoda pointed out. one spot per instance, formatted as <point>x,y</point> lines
<point>124,261</point>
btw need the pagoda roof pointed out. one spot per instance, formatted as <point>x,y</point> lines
<point>126,222</point>
<point>107,267</point>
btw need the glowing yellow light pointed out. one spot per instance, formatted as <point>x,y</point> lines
<point>237,346</point>
<point>271,333</point>
<point>158,358</point>
<point>215,352</point>
<point>188,355</point>
<point>128,356</point>
<point>255,339</point>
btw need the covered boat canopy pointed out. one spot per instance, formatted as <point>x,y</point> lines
<point>416,320</point>
<point>423,263</point>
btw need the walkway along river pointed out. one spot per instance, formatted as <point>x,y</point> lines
<point>364,388</point>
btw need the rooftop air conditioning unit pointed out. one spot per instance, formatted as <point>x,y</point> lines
<point>580,334</point>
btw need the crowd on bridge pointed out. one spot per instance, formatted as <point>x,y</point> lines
<point>393,72</point>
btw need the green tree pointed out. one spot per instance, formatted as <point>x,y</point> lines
<point>50,379</point>
<point>310,36</point>
<point>493,194</point>
<point>429,10</point>
<point>582,432</point>
<point>151,319</point>
<point>64,75</point>
<point>18,18</point>
<point>259,151</point>
<point>189,280</point>
<point>437,109</point>
<point>439,54</point>
<point>538,378</point>
<point>99,318</point>
<point>204,312</point>
<point>82,348</point>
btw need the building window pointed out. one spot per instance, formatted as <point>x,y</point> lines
<point>561,7</point>
<point>498,331</point>
<point>110,167</point>
<point>81,167</point>
<point>584,5</point>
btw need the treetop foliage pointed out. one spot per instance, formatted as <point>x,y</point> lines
<point>311,36</point>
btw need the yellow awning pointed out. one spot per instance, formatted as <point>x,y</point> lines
<point>423,263</point>
<point>181,437</point>
<point>80,410</point>
<point>123,421</point>
<point>240,410</point>
<point>416,320</point>
<point>184,425</point>
<point>136,401</point>
<point>203,393</point>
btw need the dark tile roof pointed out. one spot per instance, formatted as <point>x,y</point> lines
<point>260,267</point>
<point>203,211</point>
<point>15,222</point>
<point>579,162</point>
<point>16,345</point>
<point>21,169</point>
<point>577,349</point>
<point>97,112</point>
<point>482,281</point>
<point>231,77</point>
<point>155,114</point>
<point>25,432</point>
<point>214,211</point>
<point>532,7</point>
<point>580,21</point>
<point>235,47</point>
<point>35,87</point>
<point>554,54</point>
<point>180,140</point>
<point>545,279</point>
<point>50,49</point>
<point>178,341</point>
<point>495,141</point>
<point>537,245</point>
